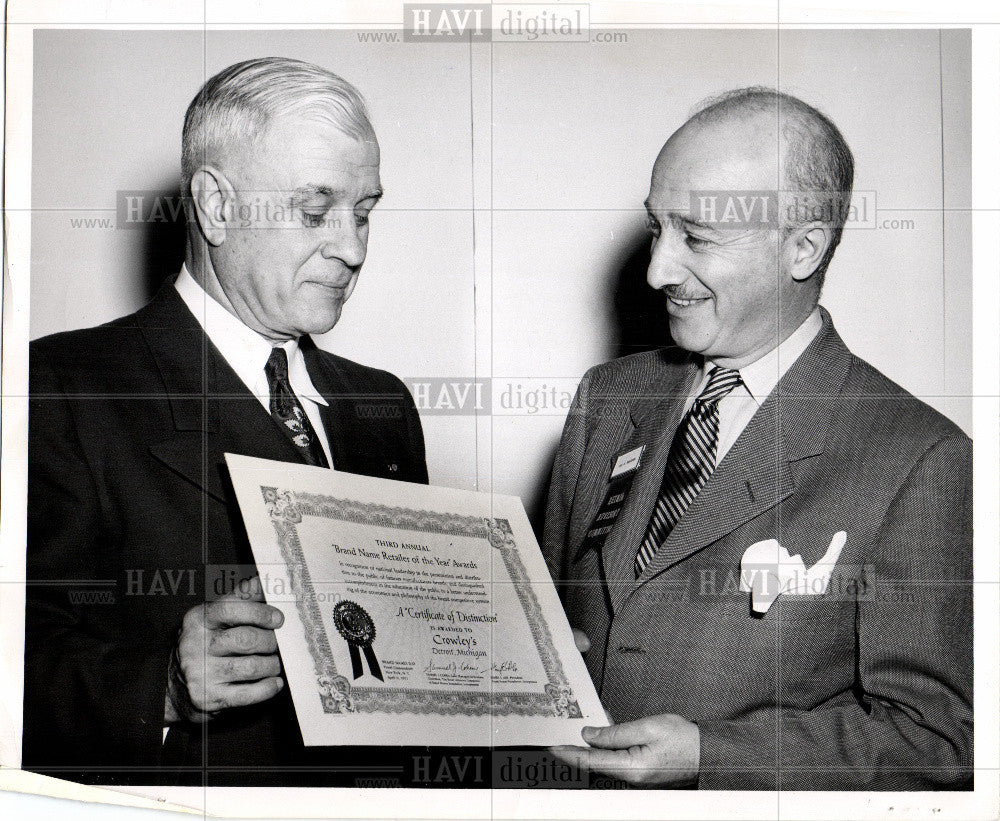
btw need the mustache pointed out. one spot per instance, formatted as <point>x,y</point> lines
<point>676,292</point>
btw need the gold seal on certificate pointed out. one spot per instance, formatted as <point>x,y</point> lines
<point>413,614</point>
<point>357,627</point>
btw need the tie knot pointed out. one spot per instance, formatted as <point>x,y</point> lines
<point>277,365</point>
<point>720,382</point>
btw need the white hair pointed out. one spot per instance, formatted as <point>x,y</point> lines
<point>237,105</point>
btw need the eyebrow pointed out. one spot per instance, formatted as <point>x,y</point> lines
<point>326,191</point>
<point>682,217</point>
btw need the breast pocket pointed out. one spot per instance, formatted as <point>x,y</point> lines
<point>813,638</point>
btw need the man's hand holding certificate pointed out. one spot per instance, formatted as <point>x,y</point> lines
<point>413,614</point>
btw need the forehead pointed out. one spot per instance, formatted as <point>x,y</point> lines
<point>728,155</point>
<point>297,151</point>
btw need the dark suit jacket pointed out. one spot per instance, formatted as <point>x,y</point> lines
<point>866,687</point>
<point>132,517</point>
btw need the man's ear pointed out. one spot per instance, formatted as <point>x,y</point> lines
<point>807,245</point>
<point>213,198</point>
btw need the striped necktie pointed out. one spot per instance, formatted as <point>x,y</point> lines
<point>288,411</point>
<point>690,463</point>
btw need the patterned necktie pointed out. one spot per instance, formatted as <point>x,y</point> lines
<point>288,412</point>
<point>690,463</point>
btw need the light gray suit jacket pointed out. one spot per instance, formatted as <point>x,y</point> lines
<point>866,687</point>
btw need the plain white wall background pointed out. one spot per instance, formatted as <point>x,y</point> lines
<point>522,287</point>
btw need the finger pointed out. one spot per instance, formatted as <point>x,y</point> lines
<point>622,764</point>
<point>581,639</point>
<point>575,756</point>
<point>247,590</point>
<point>620,736</point>
<point>619,763</point>
<point>243,695</point>
<point>242,640</point>
<point>229,612</point>
<point>245,668</point>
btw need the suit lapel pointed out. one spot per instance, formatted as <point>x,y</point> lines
<point>658,410</point>
<point>619,435</point>
<point>356,443</point>
<point>213,412</point>
<point>245,427</point>
<point>752,478</point>
<point>755,474</point>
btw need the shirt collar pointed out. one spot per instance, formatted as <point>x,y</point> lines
<point>761,377</point>
<point>243,348</point>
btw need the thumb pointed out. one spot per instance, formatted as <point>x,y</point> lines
<point>617,736</point>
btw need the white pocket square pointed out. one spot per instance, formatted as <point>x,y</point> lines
<point>768,571</point>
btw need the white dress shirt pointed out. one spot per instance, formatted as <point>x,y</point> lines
<point>737,408</point>
<point>247,352</point>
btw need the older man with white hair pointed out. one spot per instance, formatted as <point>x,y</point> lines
<point>178,669</point>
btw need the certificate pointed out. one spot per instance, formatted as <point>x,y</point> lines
<point>413,615</point>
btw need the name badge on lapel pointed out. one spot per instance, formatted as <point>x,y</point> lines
<point>619,483</point>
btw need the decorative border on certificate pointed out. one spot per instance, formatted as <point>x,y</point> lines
<point>337,693</point>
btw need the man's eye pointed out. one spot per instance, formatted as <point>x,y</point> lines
<point>312,219</point>
<point>695,242</point>
<point>653,225</point>
<point>361,219</point>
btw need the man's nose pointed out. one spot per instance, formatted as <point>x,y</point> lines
<point>345,241</point>
<point>665,267</point>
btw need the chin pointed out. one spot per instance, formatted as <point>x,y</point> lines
<point>320,324</point>
<point>689,339</point>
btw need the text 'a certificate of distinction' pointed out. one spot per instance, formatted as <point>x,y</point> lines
<point>413,615</point>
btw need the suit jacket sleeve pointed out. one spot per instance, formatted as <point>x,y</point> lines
<point>93,694</point>
<point>909,725</point>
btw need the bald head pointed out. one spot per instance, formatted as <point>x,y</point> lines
<point>746,204</point>
<point>796,146</point>
<point>719,156</point>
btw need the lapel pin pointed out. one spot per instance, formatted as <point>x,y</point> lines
<point>627,462</point>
